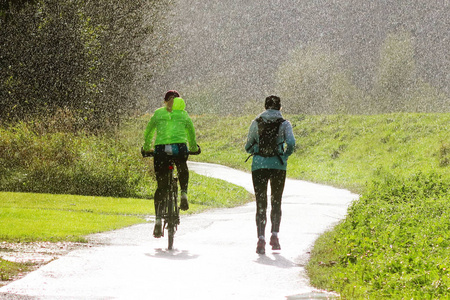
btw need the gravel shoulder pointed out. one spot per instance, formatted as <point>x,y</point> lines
<point>36,254</point>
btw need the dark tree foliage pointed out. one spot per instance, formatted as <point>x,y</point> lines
<point>79,56</point>
<point>43,61</point>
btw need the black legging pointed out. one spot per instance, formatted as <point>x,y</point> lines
<point>277,179</point>
<point>161,166</point>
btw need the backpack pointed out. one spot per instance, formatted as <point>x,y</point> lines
<point>268,133</point>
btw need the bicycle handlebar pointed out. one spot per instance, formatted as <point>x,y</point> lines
<point>152,153</point>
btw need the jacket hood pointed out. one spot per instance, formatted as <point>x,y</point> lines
<point>271,114</point>
<point>178,104</point>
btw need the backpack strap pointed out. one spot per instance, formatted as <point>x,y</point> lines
<point>258,120</point>
<point>281,121</point>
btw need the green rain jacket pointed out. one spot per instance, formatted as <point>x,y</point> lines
<point>171,127</point>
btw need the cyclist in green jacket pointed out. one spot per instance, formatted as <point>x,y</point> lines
<point>174,128</point>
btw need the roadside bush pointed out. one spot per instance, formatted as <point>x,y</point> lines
<point>68,163</point>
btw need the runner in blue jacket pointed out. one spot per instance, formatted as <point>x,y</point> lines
<point>269,168</point>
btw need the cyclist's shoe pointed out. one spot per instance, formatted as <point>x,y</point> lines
<point>157,231</point>
<point>261,247</point>
<point>184,205</point>
<point>275,243</point>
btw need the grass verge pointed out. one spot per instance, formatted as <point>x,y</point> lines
<point>9,270</point>
<point>393,244</point>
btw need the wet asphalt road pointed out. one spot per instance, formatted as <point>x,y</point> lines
<point>214,255</point>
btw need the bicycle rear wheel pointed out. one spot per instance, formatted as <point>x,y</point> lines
<point>173,217</point>
<point>171,237</point>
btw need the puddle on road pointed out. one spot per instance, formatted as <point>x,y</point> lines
<point>313,296</point>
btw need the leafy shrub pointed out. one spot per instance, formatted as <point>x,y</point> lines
<point>69,163</point>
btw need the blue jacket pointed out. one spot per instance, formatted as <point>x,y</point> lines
<point>285,137</point>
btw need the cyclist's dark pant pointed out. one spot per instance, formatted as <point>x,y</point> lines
<point>277,179</point>
<point>161,166</point>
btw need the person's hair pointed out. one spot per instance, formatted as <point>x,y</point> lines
<point>171,93</point>
<point>273,102</point>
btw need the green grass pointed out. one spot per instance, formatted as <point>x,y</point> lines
<point>75,203</point>
<point>40,224</point>
<point>350,151</point>
<point>393,243</point>
<point>341,150</point>
<point>29,217</point>
<point>10,269</point>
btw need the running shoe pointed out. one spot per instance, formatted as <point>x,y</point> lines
<point>260,248</point>
<point>275,243</point>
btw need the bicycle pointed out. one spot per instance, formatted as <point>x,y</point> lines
<point>168,208</point>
